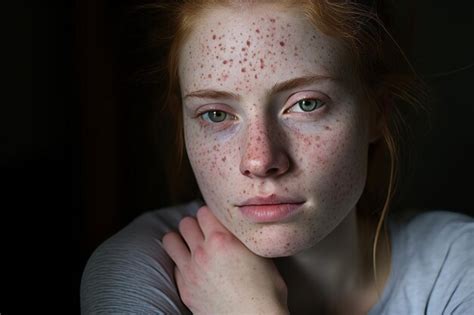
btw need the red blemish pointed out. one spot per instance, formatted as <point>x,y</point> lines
<point>214,36</point>
<point>243,70</point>
<point>282,44</point>
<point>257,30</point>
<point>248,43</point>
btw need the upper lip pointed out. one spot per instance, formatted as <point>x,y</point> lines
<point>270,200</point>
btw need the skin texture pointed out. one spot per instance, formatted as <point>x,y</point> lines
<point>266,146</point>
<point>218,272</point>
<point>238,62</point>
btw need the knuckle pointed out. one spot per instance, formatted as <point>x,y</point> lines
<point>201,213</point>
<point>200,256</point>
<point>219,239</point>
<point>168,238</point>
<point>185,223</point>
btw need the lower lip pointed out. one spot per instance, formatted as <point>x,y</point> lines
<point>270,213</point>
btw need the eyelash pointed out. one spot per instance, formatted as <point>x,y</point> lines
<point>201,115</point>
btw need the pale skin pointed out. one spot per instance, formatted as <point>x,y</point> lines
<point>270,107</point>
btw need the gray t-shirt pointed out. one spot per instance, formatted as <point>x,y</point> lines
<point>432,267</point>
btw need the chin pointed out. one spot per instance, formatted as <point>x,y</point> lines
<point>274,245</point>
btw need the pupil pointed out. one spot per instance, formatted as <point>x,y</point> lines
<point>217,116</point>
<point>308,105</point>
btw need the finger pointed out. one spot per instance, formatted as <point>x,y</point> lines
<point>208,222</point>
<point>176,249</point>
<point>191,232</point>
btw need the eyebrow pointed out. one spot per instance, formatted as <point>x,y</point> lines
<point>277,88</point>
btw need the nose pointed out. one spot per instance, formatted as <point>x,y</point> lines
<point>264,155</point>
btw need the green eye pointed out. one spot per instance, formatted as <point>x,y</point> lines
<point>214,116</point>
<point>309,105</point>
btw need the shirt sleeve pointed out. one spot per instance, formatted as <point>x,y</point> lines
<point>131,272</point>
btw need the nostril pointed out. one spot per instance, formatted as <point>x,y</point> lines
<point>272,171</point>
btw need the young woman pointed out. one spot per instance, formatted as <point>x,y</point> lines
<point>289,111</point>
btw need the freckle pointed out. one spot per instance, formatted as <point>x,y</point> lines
<point>248,43</point>
<point>282,44</point>
<point>256,77</point>
<point>272,20</point>
<point>214,36</point>
<point>224,62</point>
<point>223,159</point>
<point>209,75</point>
<point>257,30</point>
<point>244,49</point>
<point>245,59</point>
<point>243,70</point>
<point>327,128</point>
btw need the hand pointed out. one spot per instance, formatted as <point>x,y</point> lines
<point>216,274</point>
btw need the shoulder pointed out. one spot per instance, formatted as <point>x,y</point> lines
<point>437,229</point>
<point>130,271</point>
<point>432,263</point>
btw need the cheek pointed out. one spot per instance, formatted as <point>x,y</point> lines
<point>209,158</point>
<point>334,160</point>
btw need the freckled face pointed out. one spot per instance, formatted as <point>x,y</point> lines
<point>307,140</point>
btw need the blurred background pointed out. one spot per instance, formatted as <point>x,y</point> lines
<point>79,149</point>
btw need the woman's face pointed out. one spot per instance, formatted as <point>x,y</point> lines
<point>269,110</point>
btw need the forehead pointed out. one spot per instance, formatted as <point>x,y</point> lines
<point>259,46</point>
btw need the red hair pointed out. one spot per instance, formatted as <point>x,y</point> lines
<point>389,83</point>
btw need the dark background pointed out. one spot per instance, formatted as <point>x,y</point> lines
<point>78,153</point>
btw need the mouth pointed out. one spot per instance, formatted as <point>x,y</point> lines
<point>271,209</point>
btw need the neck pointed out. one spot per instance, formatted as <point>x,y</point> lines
<point>333,271</point>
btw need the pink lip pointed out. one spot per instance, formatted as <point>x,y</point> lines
<point>270,209</point>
